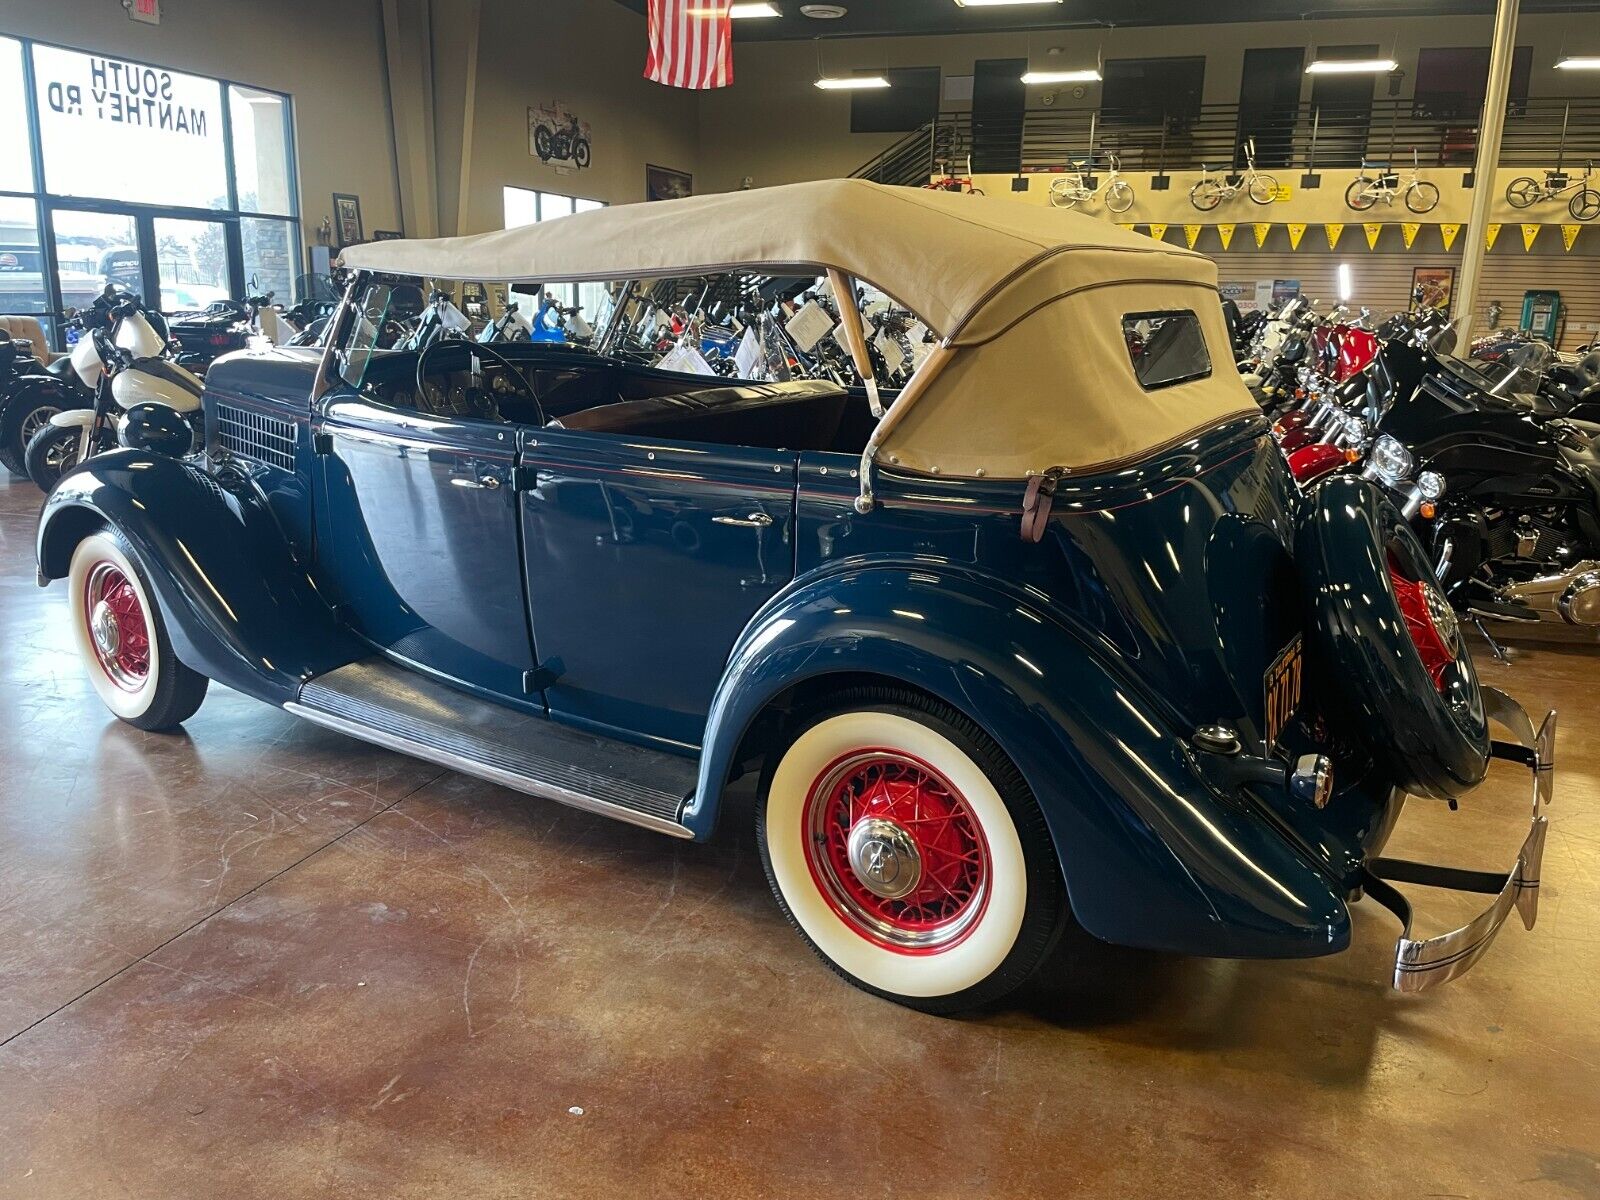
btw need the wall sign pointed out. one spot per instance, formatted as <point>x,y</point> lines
<point>148,11</point>
<point>555,135</point>
<point>127,130</point>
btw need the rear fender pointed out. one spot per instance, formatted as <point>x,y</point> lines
<point>34,390</point>
<point>238,607</point>
<point>1150,854</point>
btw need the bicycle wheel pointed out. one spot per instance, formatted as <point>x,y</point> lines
<point>1263,189</point>
<point>1207,194</point>
<point>1523,191</point>
<point>1119,196</point>
<point>1584,205</point>
<point>1359,195</point>
<point>1422,196</point>
<point>1062,195</point>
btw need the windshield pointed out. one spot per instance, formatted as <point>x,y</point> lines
<point>384,315</point>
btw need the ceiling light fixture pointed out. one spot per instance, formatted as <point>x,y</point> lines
<point>1579,63</point>
<point>849,82</point>
<point>823,12</point>
<point>741,12</point>
<point>999,3</point>
<point>1087,75</point>
<point>1351,66</point>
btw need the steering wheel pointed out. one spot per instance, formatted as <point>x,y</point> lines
<point>485,350</point>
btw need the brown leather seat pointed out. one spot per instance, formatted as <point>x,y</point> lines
<point>803,414</point>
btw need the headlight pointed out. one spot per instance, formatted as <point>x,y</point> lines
<point>1431,485</point>
<point>1389,461</point>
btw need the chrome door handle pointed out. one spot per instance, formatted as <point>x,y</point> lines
<point>488,481</point>
<point>756,520</point>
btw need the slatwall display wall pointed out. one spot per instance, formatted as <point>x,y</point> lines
<point>1381,278</point>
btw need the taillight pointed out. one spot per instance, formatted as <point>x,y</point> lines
<point>1430,622</point>
<point>220,339</point>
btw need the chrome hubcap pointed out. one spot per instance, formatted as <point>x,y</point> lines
<point>884,857</point>
<point>35,421</point>
<point>104,629</point>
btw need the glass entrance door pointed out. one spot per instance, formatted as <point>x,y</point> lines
<point>191,263</point>
<point>93,249</point>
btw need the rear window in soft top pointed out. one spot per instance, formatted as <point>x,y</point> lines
<point>1166,347</point>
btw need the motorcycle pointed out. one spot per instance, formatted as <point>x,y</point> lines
<point>141,397</point>
<point>565,141</point>
<point>37,392</point>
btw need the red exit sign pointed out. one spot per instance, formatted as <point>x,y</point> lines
<point>148,11</point>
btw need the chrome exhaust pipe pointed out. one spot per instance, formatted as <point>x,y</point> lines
<point>1572,597</point>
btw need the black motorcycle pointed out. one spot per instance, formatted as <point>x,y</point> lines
<point>33,392</point>
<point>1509,479</point>
<point>562,143</point>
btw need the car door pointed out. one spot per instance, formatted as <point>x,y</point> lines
<point>419,542</point>
<point>645,560</point>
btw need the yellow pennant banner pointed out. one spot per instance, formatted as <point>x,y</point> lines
<point>1333,230</point>
<point>1448,234</point>
<point>1128,226</point>
<point>1490,233</point>
<point>1297,230</point>
<point>1373,230</point>
<point>1261,229</point>
<point>1409,231</point>
<point>1569,235</point>
<point>1529,232</point>
<point>1191,234</point>
<point>1158,231</point>
<point>1225,232</point>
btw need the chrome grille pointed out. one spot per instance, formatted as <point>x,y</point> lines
<point>254,435</point>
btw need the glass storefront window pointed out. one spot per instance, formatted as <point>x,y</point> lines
<point>115,128</point>
<point>94,250</point>
<point>191,263</point>
<point>260,150</point>
<point>22,287</point>
<point>16,165</point>
<point>269,257</point>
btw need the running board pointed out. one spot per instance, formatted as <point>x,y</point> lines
<point>402,710</point>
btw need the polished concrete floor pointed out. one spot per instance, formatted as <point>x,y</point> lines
<point>259,959</point>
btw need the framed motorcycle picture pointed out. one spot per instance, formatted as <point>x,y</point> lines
<point>1431,287</point>
<point>663,183</point>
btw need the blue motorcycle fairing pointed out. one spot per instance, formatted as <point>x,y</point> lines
<point>237,607</point>
<point>1152,856</point>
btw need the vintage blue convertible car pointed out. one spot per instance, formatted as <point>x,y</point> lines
<point>1054,638</point>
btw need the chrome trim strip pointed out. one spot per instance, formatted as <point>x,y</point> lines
<point>518,783</point>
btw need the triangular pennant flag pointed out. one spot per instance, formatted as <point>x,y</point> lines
<point>1448,234</point>
<point>1569,235</point>
<point>1191,234</point>
<point>1490,234</point>
<point>1373,230</point>
<point>1158,230</point>
<point>1408,231</point>
<point>1297,230</point>
<point>1333,230</point>
<point>1225,232</point>
<point>1529,232</point>
<point>1128,226</point>
<point>1261,229</point>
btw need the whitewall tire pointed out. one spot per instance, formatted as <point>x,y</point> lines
<point>909,852</point>
<point>122,640</point>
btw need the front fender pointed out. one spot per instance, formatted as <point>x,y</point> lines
<point>237,606</point>
<point>73,418</point>
<point>1151,855</point>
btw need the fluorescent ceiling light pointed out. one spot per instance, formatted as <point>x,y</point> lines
<point>1087,75</point>
<point>1572,63</point>
<point>842,83</point>
<point>998,3</point>
<point>740,11</point>
<point>1351,66</point>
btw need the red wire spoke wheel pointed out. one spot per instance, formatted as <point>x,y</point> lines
<point>117,626</point>
<point>896,850</point>
<point>908,850</point>
<point>1430,622</point>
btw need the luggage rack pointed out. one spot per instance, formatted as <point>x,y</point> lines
<point>1422,963</point>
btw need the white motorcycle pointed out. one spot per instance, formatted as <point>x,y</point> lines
<point>141,397</point>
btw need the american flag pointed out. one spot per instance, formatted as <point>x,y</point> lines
<point>691,43</point>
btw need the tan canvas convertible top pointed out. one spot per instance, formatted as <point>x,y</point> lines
<point>1028,300</point>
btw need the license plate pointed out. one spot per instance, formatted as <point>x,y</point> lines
<point>1281,683</point>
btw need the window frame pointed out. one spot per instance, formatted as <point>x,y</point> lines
<point>1131,318</point>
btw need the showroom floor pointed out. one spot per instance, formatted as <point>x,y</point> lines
<point>261,959</point>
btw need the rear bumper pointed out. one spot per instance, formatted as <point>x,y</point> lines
<point>1422,963</point>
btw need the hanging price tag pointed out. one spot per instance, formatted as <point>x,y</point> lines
<point>893,356</point>
<point>809,326</point>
